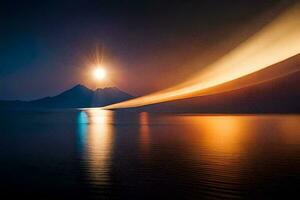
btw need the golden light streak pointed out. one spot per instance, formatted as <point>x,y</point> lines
<point>276,42</point>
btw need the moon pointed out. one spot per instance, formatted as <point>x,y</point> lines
<point>99,73</point>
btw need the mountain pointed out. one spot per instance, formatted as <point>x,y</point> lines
<point>78,96</point>
<point>106,96</point>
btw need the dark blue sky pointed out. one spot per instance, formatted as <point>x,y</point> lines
<point>45,45</point>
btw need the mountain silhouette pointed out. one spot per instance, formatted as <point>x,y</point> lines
<point>105,96</point>
<point>78,96</point>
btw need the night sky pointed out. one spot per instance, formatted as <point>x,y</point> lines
<point>47,47</point>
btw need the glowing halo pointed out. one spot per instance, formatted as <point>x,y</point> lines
<point>99,73</point>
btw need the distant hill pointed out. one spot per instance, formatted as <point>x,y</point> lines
<point>78,96</point>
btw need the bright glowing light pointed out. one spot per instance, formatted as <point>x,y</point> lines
<point>276,42</point>
<point>99,73</point>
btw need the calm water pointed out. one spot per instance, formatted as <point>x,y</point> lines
<point>96,154</point>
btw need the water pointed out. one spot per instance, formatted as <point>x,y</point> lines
<point>96,154</point>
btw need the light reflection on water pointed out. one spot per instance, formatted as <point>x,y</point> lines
<point>96,132</point>
<point>144,132</point>
<point>98,154</point>
<point>192,156</point>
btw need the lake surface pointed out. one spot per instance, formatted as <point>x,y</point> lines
<point>97,154</point>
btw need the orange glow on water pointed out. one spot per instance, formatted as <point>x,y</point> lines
<point>144,131</point>
<point>276,42</point>
<point>222,133</point>
<point>219,134</point>
<point>220,142</point>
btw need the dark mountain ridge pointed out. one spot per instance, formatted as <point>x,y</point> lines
<point>78,96</point>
